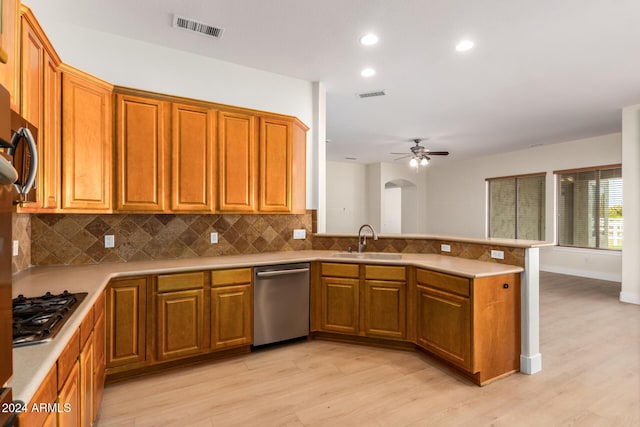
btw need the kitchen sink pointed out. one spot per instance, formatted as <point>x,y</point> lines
<point>367,255</point>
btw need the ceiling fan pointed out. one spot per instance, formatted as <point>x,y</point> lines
<point>420,155</point>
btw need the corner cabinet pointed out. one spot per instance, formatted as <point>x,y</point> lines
<point>86,142</point>
<point>471,323</point>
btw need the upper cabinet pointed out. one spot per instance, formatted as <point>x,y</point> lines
<point>86,142</point>
<point>141,137</point>
<point>193,158</point>
<point>238,152</point>
<point>10,50</point>
<point>40,105</point>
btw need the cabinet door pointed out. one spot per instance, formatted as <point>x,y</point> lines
<point>385,309</point>
<point>86,143</point>
<point>32,66</point>
<point>86,382</point>
<point>231,308</point>
<point>192,159</point>
<point>126,322</point>
<point>276,139</point>
<point>69,399</point>
<point>237,156</point>
<point>141,140</point>
<point>10,45</point>
<point>179,324</point>
<point>50,135</point>
<point>99,360</point>
<point>444,325</point>
<point>340,305</point>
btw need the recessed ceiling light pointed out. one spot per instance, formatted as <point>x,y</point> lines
<point>464,45</point>
<point>369,39</point>
<point>368,72</point>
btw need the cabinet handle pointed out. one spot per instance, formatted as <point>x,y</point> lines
<point>506,286</point>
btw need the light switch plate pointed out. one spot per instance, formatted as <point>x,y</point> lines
<point>213,238</point>
<point>445,248</point>
<point>299,233</point>
<point>16,248</point>
<point>109,241</point>
<point>497,254</point>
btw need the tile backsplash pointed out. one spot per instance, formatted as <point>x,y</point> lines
<point>65,239</point>
<point>21,225</point>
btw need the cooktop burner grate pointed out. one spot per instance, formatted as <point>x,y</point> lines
<point>37,320</point>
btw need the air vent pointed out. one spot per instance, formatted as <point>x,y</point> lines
<point>198,27</point>
<point>372,94</point>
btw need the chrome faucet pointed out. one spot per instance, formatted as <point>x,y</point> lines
<point>362,238</point>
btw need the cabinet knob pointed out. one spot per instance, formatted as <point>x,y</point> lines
<point>506,286</point>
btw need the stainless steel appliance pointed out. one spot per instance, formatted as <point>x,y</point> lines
<point>10,194</point>
<point>38,320</point>
<point>280,303</point>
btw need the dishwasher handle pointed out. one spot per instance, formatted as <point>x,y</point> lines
<point>281,272</point>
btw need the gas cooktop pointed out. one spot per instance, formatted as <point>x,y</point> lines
<point>37,320</point>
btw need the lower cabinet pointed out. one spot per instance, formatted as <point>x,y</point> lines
<point>368,300</point>
<point>180,315</point>
<point>86,366</point>
<point>471,323</point>
<point>69,399</point>
<point>231,308</point>
<point>126,324</point>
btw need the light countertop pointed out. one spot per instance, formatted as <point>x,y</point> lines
<point>32,363</point>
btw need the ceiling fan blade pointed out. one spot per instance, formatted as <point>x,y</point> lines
<point>400,153</point>
<point>438,153</point>
<point>403,157</point>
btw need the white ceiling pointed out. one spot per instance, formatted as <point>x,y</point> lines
<point>542,71</point>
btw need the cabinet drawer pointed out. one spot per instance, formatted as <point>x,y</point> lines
<point>231,277</point>
<point>180,282</point>
<point>385,272</point>
<point>86,326</point>
<point>446,282</point>
<point>340,270</point>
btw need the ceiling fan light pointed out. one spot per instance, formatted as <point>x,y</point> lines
<point>424,161</point>
<point>413,162</point>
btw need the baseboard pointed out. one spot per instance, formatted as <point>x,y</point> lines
<point>531,364</point>
<point>582,273</point>
<point>630,298</point>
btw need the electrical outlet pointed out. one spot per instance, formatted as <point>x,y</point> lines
<point>16,248</point>
<point>497,254</point>
<point>299,233</point>
<point>213,237</point>
<point>109,241</point>
<point>445,248</point>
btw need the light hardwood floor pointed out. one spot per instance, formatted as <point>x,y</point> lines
<point>590,344</point>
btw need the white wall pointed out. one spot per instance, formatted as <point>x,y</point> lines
<point>140,65</point>
<point>416,214</point>
<point>392,215</point>
<point>631,195</point>
<point>457,197</point>
<point>346,197</point>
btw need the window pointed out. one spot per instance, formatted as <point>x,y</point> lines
<point>516,207</point>
<point>590,207</point>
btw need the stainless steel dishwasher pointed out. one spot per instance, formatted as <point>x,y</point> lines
<point>280,303</point>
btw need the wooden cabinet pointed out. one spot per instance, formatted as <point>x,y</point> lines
<point>340,302</point>
<point>141,129</point>
<point>10,50</point>
<point>86,367</point>
<point>231,308</point>
<point>385,300</point>
<point>40,105</point>
<point>46,394</point>
<point>369,300</point>
<point>192,158</point>
<point>126,324</point>
<point>237,158</point>
<point>180,315</point>
<point>86,142</point>
<point>69,399</point>
<point>472,323</point>
<point>99,334</point>
<point>282,176</point>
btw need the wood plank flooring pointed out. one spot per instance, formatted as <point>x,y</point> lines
<point>590,344</point>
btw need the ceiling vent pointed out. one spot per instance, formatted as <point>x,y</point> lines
<point>197,26</point>
<point>372,94</point>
